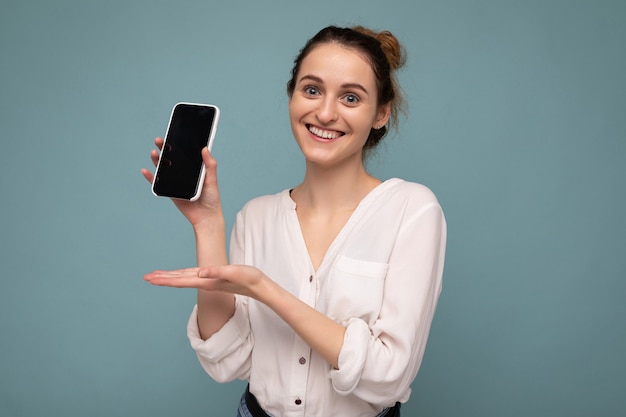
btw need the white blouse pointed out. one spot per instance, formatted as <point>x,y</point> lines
<point>380,278</point>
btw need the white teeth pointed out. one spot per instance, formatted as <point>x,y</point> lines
<point>325,134</point>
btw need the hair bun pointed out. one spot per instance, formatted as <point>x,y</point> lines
<point>389,44</point>
<point>392,49</point>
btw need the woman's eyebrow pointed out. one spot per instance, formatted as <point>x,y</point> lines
<point>318,80</point>
<point>354,86</point>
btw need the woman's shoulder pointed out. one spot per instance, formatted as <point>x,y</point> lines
<point>407,201</point>
<point>408,192</point>
<point>268,203</point>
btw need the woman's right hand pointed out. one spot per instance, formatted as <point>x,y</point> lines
<point>207,207</point>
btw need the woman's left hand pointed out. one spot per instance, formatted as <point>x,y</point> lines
<point>234,279</point>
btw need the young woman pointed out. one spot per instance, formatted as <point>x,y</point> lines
<point>327,301</point>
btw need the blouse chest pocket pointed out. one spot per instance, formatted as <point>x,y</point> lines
<point>355,290</point>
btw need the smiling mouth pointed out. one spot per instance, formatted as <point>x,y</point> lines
<point>324,134</point>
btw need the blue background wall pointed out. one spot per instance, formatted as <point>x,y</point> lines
<point>517,122</point>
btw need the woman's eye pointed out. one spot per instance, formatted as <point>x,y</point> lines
<point>311,91</point>
<point>351,99</point>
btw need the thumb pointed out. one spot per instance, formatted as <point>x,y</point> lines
<point>212,272</point>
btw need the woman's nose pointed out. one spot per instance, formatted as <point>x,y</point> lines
<point>327,111</point>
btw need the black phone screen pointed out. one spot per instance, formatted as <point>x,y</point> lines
<point>180,167</point>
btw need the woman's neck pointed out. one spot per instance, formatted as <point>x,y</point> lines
<point>330,189</point>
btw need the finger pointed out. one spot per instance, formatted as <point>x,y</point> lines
<point>225,272</point>
<point>210,180</point>
<point>209,272</point>
<point>159,142</point>
<point>154,156</point>
<point>193,271</point>
<point>208,159</point>
<point>178,282</point>
<point>147,175</point>
<point>188,281</point>
<point>177,273</point>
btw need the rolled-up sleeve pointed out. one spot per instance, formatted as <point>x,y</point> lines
<point>351,357</point>
<point>225,355</point>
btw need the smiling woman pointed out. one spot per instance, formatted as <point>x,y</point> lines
<point>381,51</point>
<point>326,302</point>
<point>334,106</point>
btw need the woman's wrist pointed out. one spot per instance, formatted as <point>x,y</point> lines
<point>210,236</point>
<point>209,224</point>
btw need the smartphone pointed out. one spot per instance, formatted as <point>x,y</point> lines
<point>180,171</point>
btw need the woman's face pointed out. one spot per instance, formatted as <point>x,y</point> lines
<point>334,106</point>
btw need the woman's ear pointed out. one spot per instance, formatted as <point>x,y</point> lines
<point>384,112</point>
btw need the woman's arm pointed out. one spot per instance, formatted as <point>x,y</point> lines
<point>320,332</point>
<point>380,360</point>
<point>206,217</point>
<point>214,308</point>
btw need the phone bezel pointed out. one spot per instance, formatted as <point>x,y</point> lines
<point>212,132</point>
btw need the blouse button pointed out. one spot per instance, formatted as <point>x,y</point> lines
<point>302,360</point>
<point>310,278</point>
<point>298,401</point>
